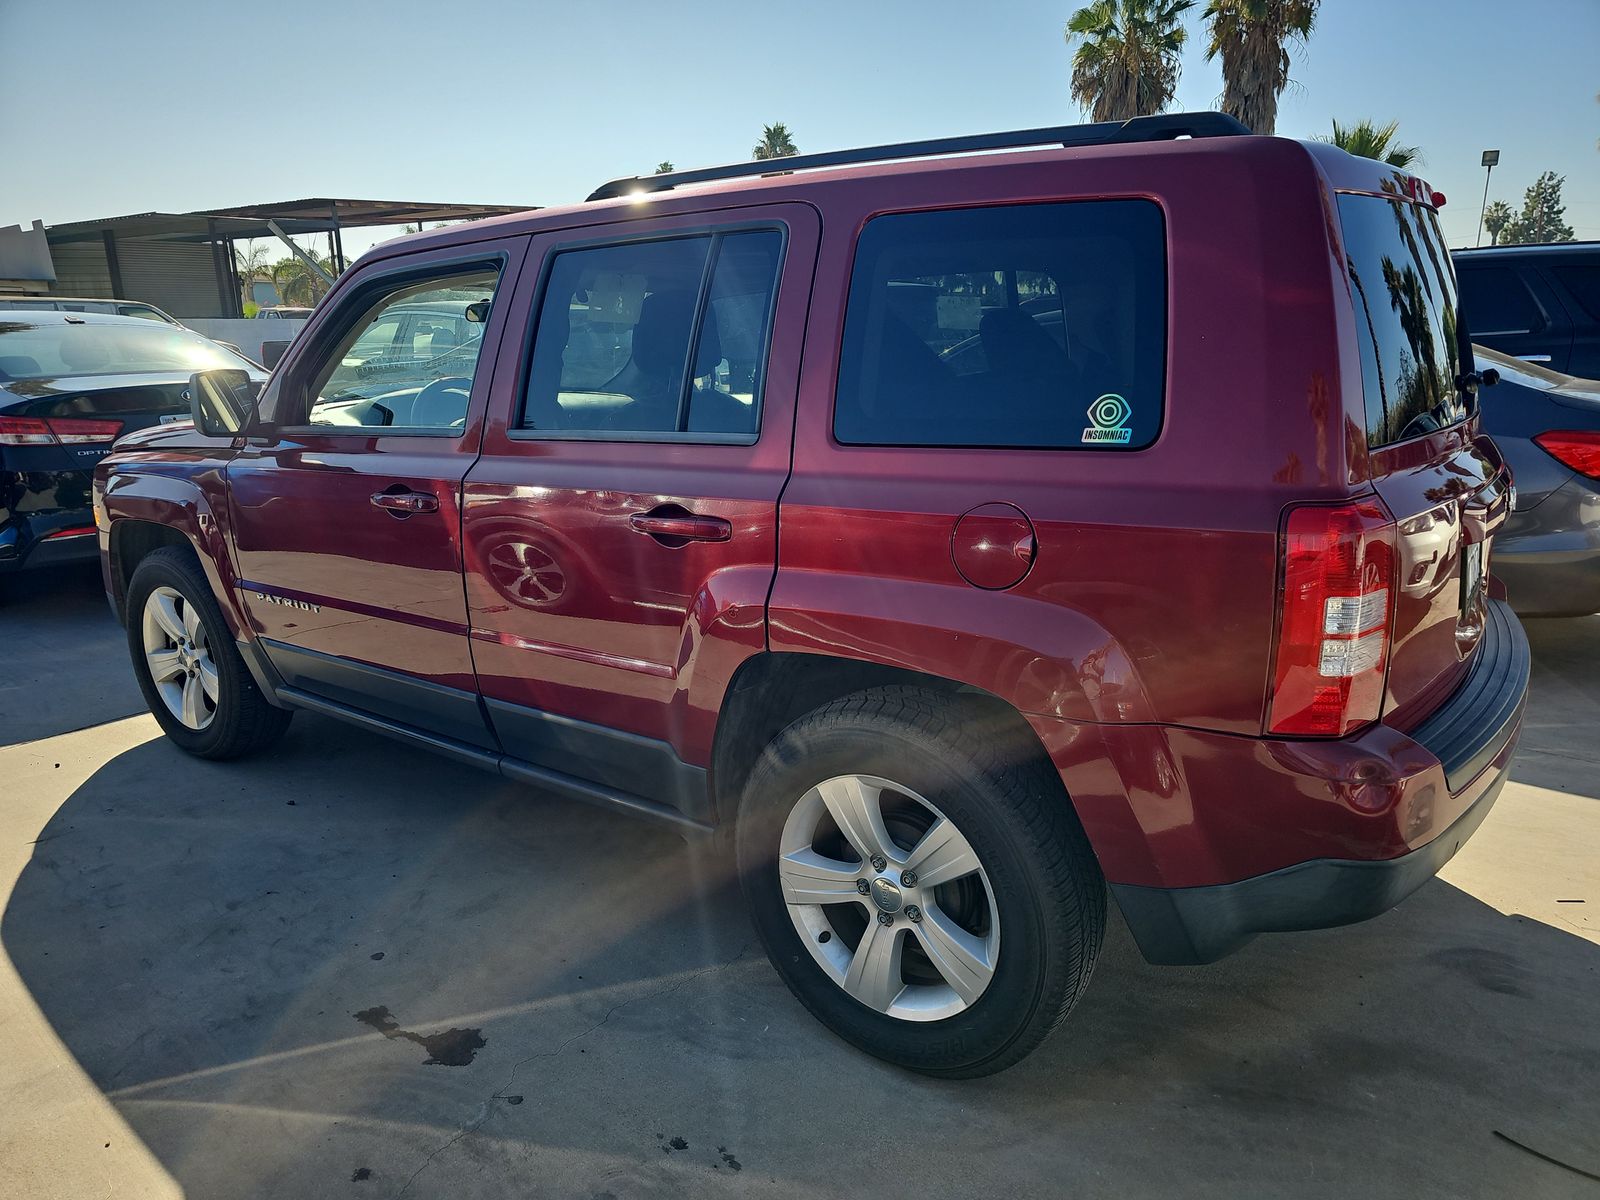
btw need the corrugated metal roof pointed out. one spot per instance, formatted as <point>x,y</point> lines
<point>315,215</point>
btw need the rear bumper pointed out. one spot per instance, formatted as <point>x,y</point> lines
<point>1188,926</point>
<point>71,543</point>
<point>1549,556</point>
<point>1444,776</point>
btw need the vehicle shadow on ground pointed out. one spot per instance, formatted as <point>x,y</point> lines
<point>202,937</point>
<point>63,657</point>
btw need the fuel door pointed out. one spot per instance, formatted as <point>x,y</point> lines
<point>993,546</point>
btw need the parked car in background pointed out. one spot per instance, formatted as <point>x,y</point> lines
<point>1537,303</point>
<point>283,312</point>
<point>1547,426</point>
<point>70,385</point>
<point>1063,596</point>
<point>121,308</point>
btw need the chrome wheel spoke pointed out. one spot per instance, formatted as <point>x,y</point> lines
<point>208,677</point>
<point>191,622</point>
<point>856,806</point>
<point>164,609</point>
<point>962,958</point>
<point>874,974</point>
<point>164,664</point>
<point>942,855</point>
<point>194,709</point>
<point>809,878</point>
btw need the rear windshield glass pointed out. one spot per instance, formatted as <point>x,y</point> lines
<point>1404,292</point>
<point>1038,325</point>
<point>40,351</point>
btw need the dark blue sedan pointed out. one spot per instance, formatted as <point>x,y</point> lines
<point>70,385</point>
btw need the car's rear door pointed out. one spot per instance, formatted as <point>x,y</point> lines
<point>1443,482</point>
<point>346,511</point>
<point>621,524</point>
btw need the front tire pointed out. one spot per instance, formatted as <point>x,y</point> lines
<point>920,881</point>
<point>191,673</point>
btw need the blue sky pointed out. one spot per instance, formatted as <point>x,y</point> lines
<point>175,105</point>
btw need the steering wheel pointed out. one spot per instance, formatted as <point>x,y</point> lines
<point>442,402</point>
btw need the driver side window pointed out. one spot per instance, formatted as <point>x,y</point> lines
<point>408,363</point>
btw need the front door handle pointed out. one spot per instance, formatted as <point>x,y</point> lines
<point>403,504</point>
<point>675,528</point>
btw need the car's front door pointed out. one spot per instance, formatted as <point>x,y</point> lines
<point>620,526</point>
<point>346,509</point>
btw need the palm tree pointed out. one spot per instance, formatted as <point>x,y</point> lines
<point>775,142</point>
<point>664,167</point>
<point>1251,36</point>
<point>1495,219</point>
<point>250,262</point>
<point>1127,63</point>
<point>297,283</point>
<point>1367,140</point>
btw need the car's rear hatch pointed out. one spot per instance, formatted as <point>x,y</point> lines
<point>1444,485</point>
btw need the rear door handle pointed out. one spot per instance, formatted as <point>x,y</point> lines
<point>681,526</point>
<point>403,504</point>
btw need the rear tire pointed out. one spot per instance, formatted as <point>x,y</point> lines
<point>1009,913</point>
<point>205,699</point>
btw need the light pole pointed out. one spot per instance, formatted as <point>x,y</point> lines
<point>1490,159</point>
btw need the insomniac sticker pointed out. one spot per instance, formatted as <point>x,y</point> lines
<point>1109,416</point>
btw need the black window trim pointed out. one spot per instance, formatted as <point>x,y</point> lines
<point>834,442</point>
<point>383,281</point>
<point>520,432</point>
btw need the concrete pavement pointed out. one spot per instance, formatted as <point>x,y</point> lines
<point>187,947</point>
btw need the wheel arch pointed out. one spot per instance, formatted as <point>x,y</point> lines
<point>772,689</point>
<point>147,512</point>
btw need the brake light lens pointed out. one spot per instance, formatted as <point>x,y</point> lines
<point>1335,619</point>
<point>50,431</point>
<point>1575,448</point>
<point>76,430</point>
<point>25,431</point>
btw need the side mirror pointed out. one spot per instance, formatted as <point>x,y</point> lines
<point>222,402</point>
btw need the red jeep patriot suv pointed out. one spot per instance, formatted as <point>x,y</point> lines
<point>964,532</point>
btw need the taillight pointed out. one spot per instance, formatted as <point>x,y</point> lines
<point>25,431</point>
<point>1575,448</point>
<point>1335,619</point>
<point>72,430</point>
<point>36,431</point>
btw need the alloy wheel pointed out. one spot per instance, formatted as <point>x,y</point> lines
<point>889,897</point>
<point>178,655</point>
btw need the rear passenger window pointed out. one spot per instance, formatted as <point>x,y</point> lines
<point>1495,301</point>
<point>657,340</point>
<point>1584,284</point>
<point>1038,325</point>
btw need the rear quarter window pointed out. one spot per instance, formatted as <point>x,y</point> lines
<point>1495,302</point>
<point>1040,325</point>
<point>1403,288</point>
<point>1583,282</point>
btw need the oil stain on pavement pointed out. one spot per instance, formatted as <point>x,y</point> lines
<point>452,1048</point>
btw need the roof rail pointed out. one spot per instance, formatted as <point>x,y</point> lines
<point>1163,127</point>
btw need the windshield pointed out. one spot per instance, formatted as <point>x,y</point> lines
<point>33,351</point>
